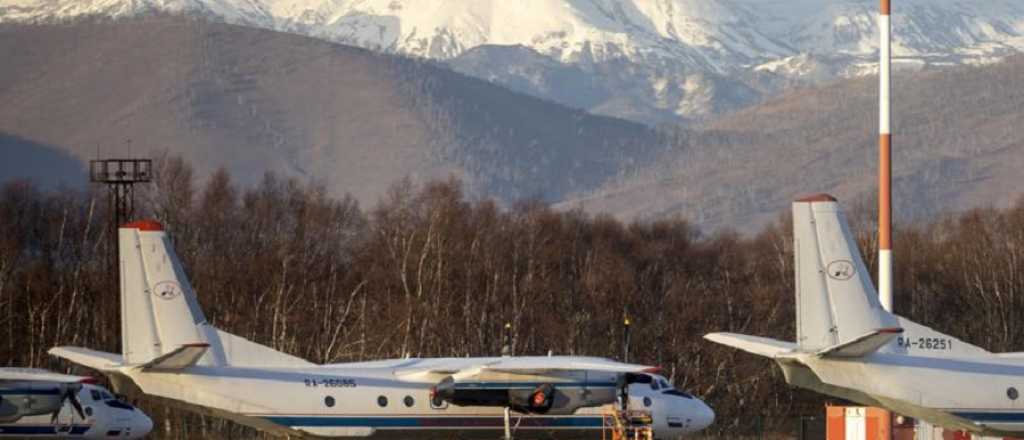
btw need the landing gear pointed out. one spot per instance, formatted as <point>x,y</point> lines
<point>508,423</point>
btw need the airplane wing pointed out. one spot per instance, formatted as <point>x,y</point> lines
<point>863,345</point>
<point>528,365</point>
<point>544,365</point>
<point>766,347</point>
<point>37,375</point>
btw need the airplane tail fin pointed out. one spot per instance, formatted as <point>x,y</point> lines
<point>159,310</point>
<point>162,325</point>
<point>837,305</point>
<point>837,309</point>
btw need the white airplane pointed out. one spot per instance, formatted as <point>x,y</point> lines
<point>848,346</point>
<point>171,352</point>
<point>40,404</point>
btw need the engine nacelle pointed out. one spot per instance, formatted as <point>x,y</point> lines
<point>543,398</point>
<point>537,401</point>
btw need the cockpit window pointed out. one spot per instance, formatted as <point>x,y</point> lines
<point>119,405</point>
<point>674,392</point>
<point>96,396</point>
<point>655,386</point>
<point>664,384</point>
<point>106,395</point>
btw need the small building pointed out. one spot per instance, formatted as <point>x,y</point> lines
<point>866,423</point>
<point>857,423</point>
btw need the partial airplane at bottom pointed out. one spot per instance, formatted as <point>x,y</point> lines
<point>40,404</point>
<point>171,352</point>
<point>848,346</point>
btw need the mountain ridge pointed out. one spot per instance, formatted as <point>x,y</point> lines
<point>956,146</point>
<point>256,100</point>
<point>358,121</point>
<point>668,60</point>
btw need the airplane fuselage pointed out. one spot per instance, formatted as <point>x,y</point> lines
<point>380,403</point>
<point>978,394</point>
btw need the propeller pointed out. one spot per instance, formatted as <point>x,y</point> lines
<point>69,394</point>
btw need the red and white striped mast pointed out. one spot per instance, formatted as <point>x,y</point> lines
<point>885,159</point>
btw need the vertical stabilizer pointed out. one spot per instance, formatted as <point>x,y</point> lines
<point>162,326</point>
<point>836,301</point>
<point>159,311</point>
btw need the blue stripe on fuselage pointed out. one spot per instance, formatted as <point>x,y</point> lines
<point>385,422</point>
<point>990,417</point>
<point>40,429</point>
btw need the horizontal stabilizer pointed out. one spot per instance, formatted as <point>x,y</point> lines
<point>752,344</point>
<point>97,360</point>
<point>863,345</point>
<point>37,375</point>
<point>183,357</point>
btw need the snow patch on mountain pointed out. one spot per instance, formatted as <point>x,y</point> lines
<point>643,59</point>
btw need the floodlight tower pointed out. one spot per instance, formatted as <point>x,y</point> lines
<point>120,177</point>
<point>885,158</point>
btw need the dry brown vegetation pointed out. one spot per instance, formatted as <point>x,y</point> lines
<point>430,272</point>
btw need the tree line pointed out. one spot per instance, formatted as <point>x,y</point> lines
<point>429,271</point>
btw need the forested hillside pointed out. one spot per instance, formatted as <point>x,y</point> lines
<point>356,121</point>
<point>252,100</point>
<point>957,145</point>
<point>428,272</point>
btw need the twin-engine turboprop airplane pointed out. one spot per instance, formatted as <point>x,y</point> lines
<point>40,404</point>
<point>170,352</point>
<point>848,346</point>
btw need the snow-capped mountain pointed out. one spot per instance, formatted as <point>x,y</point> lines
<point>708,34</point>
<point>648,60</point>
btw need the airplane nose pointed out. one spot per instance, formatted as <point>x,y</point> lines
<point>143,425</point>
<point>705,416</point>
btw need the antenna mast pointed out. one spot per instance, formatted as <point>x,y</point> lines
<point>885,158</point>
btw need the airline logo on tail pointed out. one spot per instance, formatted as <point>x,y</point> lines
<point>841,270</point>
<point>167,290</point>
